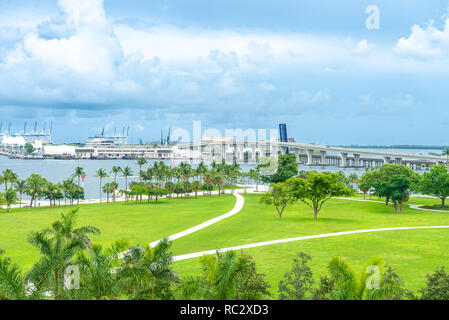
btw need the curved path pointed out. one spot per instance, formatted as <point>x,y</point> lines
<point>237,207</point>
<point>325,235</point>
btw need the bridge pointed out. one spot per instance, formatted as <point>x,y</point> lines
<point>306,154</point>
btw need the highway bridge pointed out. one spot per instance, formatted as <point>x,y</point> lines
<point>307,154</point>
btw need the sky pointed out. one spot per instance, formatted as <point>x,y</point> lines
<point>336,72</point>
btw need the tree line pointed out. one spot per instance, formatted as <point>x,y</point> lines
<point>155,181</point>
<point>394,182</point>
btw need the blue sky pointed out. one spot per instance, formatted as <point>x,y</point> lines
<point>148,64</point>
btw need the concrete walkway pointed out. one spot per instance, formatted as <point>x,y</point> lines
<point>266,243</point>
<point>237,207</point>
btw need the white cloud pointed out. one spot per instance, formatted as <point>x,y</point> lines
<point>363,47</point>
<point>80,60</point>
<point>425,42</point>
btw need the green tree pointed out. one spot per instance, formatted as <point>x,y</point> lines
<point>148,272</point>
<point>170,186</point>
<point>287,168</point>
<point>250,284</point>
<point>353,178</point>
<point>280,196</point>
<point>387,171</point>
<point>437,286</point>
<point>101,174</point>
<point>57,246</point>
<point>298,281</point>
<point>196,185</point>
<point>158,192</point>
<point>115,171</point>
<point>10,197</point>
<point>96,279</point>
<point>366,182</point>
<point>29,148</point>
<point>126,172</point>
<point>201,170</point>
<point>208,180</point>
<point>218,180</point>
<point>21,187</point>
<point>35,185</point>
<point>254,174</point>
<point>314,189</point>
<point>436,183</point>
<point>141,161</point>
<point>397,188</point>
<point>12,282</point>
<point>372,284</point>
<point>9,176</point>
<point>221,273</point>
<point>78,173</point>
<point>114,188</point>
<point>108,190</point>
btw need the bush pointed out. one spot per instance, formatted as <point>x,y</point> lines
<point>298,281</point>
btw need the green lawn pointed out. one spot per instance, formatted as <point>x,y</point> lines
<point>413,253</point>
<point>257,223</point>
<point>134,222</point>
<point>413,200</point>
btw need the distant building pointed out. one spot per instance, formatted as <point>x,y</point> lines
<point>13,142</point>
<point>61,150</point>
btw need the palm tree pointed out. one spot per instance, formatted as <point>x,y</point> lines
<point>208,178</point>
<point>96,279</point>
<point>148,272</point>
<point>201,170</point>
<point>57,246</point>
<point>160,171</point>
<point>347,286</point>
<point>446,153</point>
<point>114,188</point>
<point>222,272</point>
<point>107,189</point>
<point>10,198</point>
<point>116,170</point>
<point>218,180</point>
<point>196,185</point>
<point>9,176</point>
<point>78,173</point>
<point>141,161</point>
<point>126,172</point>
<point>21,186</point>
<point>66,188</point>
<point>12,283</point>
<point>35,185</point>
<point>101,173</point>
<point>353,178</point>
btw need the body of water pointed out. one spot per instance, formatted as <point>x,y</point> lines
<point>58,170</point>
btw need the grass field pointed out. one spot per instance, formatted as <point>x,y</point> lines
<point>413,253</point>
<point>257,223</point>
<point>428,201</point>
<point>134,222</point>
